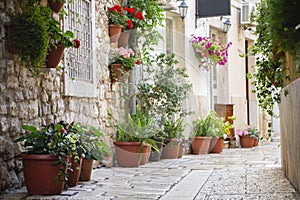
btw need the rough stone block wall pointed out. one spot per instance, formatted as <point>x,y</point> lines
<point>290,133</point>
<point>37,101</point>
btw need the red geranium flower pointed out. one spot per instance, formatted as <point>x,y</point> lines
<point>131,11</point>
<point>139,15</point>
<point>63,130</point>
<point>118,8</point>
<point>138,62</point>
<point>129,24</point>
<point>77,43</point>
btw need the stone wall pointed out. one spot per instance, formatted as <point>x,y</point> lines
<point>290,133</point>
<point>37,101</point>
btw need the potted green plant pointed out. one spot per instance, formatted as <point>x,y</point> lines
<point>173,130</point>
<point>203,130</point>
<point>46,157</point>
<point>58,41</point>
<point>94,146</point>
<point>133,138</point>
<point>30,35</point>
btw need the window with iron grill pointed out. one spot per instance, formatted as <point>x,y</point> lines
<point>79,61</point>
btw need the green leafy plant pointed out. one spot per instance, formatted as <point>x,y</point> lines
<point>212,125</point>
<point>270,75</point>
<point>116,15</point>
<point>165,88</point>
<point>173,128</point>
<point>92,142</point>
<point>30,35</point>
<point>139,127</point>
<point>58,139</point>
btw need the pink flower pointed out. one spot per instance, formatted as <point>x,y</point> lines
<point>245,132</point>
<point>131,52</point>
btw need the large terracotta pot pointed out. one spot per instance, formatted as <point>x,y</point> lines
<point>128,154</point>
<point>180,153</point>
<point>200,145</point>
<point>145,154</point>
<point>41,176</point>
<point>75,173</point>
<point>217,145</point>
<point>255,142</point>
<point>154,155</point>
<point>86,169</point>
<point>171,149</point>
<point>123,39</point>
<point>246,141</point>
<point>114,32</point>
<point>55,55</point>
<point>56,5</point>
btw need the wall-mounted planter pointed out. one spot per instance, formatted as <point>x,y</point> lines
<point>114,32</point>
<point>123,39</point>
<point>55,56</point>
<point>118,73</point>
<point>56,5</point>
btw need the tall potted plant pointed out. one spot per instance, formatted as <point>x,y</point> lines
<point>46,157</point>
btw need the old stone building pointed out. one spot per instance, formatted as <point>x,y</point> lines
<point>55,94</point>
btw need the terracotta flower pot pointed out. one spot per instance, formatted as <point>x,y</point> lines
<point>154,155</point>
<point>55,55</point>
<point>128,154</point>
<point>123,39</point>
<point>57,5</point>
<point>114,32</point>
<point>118,74</point>
<point>75,173</point>
<point>171,150</point>
<point>180,153</point>
<point>200,145</point>
<point>145,154</point>
<point>86,169</point>
<point>217,145</point>
<point>246,141</point>
<point>40,175</point>
<point>255,142</point>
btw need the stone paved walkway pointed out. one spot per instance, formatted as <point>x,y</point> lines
<point>247,174</point>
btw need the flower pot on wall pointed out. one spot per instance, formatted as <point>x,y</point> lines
<point>128,154</point>
<point>123,39</point>
<point>40,175</point>
<point>114,32</point>
<point>86,169</point>
<point>118,73</point>
<point>55,55</point>
<point>246,141</point>
<point>75,173</point>
<point>200,145</point>
<point>56,5</point>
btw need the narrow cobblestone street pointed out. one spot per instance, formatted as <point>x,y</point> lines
<point>234,174</point>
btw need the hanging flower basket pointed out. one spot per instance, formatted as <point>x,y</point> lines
<point>209,51</point>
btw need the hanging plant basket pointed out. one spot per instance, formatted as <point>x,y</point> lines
<point>57,5</point>
<point>114,32</point>
<point>55,55</point>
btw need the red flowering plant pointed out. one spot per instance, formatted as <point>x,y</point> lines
<point>123,56</point>
<point>117,16</point>
<point>210,51</point>
<point>135,17</point>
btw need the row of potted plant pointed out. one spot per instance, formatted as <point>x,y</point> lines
<point>56,154</point>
